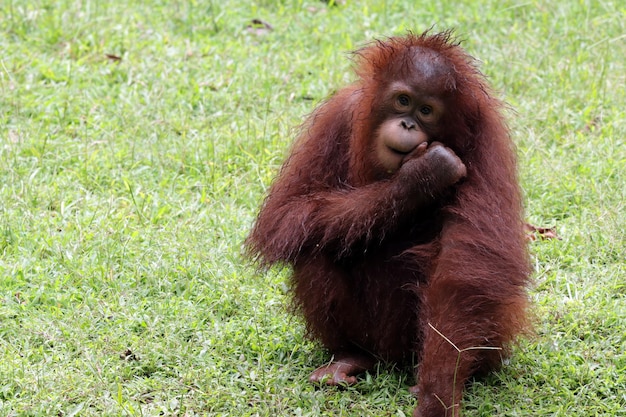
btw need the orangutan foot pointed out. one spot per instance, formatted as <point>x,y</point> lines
<point>343,369</point>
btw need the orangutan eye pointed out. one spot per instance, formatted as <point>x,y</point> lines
<point>404,100</point>
<point>426,110</point>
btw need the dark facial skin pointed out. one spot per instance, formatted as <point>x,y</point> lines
<point>414,109</point>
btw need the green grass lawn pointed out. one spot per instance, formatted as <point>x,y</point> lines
<point>137,139</point>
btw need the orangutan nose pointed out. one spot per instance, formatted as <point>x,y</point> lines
<point>408,124</point>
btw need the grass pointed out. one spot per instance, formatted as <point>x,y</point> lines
<point>137,139</point>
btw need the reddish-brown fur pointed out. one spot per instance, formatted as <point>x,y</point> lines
<point>373,271</point>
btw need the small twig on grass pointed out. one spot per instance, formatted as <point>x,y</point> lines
<point>456,367</point>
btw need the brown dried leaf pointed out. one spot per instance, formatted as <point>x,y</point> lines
<point>259,27</point>
<point>544,233</point>
<point>128,355</point>
<point>114,58</point>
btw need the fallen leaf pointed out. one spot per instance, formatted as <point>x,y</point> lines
<point>544,233</point>
<point>114,58</point>
<point>128,355</point>
<point>259,27</point>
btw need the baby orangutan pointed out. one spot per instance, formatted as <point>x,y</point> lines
<point>400,213</point>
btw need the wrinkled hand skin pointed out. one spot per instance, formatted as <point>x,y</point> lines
<point>436,162</point>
